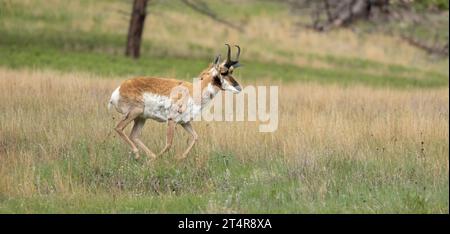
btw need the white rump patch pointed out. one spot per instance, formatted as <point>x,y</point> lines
<point>114,100</point>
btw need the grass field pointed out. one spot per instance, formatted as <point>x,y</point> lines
<point>363,118</point>
<point>336,150</point>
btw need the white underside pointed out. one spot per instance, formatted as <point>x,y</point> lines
<point>161,108</point>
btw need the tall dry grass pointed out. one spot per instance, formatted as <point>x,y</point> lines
<point>48,116</point>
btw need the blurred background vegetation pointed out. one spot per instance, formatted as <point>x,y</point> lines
<point>379,146</point>
<point>392,43</point>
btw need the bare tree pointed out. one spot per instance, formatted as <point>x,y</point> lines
<point>136,28</point>
<point>203,8</point>
<point>139,12</point>
<point>329,14</point>
<point>436,49</point>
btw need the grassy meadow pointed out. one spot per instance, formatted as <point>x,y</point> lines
<point>363,118</point>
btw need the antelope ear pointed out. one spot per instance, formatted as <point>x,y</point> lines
<point>217,60</point>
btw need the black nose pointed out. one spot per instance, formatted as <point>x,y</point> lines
<point>238,88</point>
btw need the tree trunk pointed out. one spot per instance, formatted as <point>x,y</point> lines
<point>135,29</point>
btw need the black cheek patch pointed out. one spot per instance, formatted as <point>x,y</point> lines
<point>216,81</point>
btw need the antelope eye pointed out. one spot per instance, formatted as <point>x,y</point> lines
<point>224,73</point>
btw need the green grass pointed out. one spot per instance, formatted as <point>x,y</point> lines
<point>103,54</point>
<point>334,184</point>
<point>224,184</point>
<point>237,10</point>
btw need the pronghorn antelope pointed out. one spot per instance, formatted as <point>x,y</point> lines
<point>171,101</point>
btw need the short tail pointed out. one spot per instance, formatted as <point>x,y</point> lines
<point>110,104</point>
<point>114,98</point>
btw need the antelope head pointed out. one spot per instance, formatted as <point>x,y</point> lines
<point>222,72</point>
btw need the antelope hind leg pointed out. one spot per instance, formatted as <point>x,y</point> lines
<point>134,136</point>
<point>132,114</point>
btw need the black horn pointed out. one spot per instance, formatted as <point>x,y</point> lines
<point>228,61</point>
<point>228,53</point>
<point>238,52</point>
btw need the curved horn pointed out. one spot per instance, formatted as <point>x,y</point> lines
<point>238,52</point>
<point>229,53</point>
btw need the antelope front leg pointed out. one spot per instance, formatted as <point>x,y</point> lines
<point>188,127</point>
<point>169,136</point>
